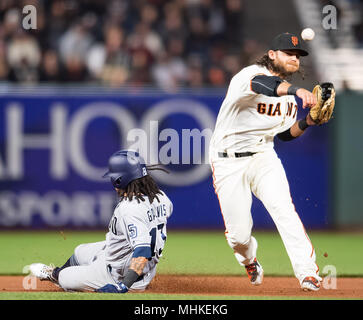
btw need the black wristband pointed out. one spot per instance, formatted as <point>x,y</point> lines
<point>292,90</point>
<point>303,124</point>
<point>130,277</point>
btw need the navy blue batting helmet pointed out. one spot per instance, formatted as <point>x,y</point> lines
<point>125,166</point>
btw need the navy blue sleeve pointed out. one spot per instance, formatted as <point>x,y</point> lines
<point>266,85</point>
<point>142,252</point>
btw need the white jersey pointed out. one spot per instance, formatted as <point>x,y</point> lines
<point>135,225</point>
<point>248,121</point>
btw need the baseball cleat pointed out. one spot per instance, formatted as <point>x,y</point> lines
<point>255,273</point>
<point>42,271</point>
<point>310,284</point>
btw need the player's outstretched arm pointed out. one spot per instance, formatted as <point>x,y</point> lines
<point>138,264</point>
<point>307,97</point>
<point>133,273</point>
<point>297,129</point>
<point>274,86</point>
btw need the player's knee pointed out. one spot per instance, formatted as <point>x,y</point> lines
<point>69,280</point>
<point>64,281</point>
<point>238,241</point>
<point>78,248</point>
<point>78,256</point>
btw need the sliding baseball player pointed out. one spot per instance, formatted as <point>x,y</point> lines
<point>127,259</point>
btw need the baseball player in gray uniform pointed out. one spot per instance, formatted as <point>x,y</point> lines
<point>259,105</point>
<point>136,235</point>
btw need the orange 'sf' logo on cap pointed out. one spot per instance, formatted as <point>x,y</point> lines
<point>294,41</point>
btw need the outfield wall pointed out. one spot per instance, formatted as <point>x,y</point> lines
<point>347,189</point>
<point>55,142</point>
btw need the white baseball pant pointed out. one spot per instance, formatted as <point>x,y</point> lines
<point>263,174</point>
<point>92,271</point>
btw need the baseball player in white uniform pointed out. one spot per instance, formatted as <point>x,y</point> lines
<point>127,259</point>
<point>259,105</point>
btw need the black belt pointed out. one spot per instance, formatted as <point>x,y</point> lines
<point>236,154</point>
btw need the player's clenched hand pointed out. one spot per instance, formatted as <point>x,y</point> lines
<point>111,288</point>
<point>307,97</point>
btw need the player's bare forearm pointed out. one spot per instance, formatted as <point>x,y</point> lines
<point>295,129</point>
<point>308,99</point>
<point>135,271</point>
<point>282,88</point>
<point>138,264</point>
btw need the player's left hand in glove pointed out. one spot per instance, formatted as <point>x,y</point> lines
<point>112,288</point>
<point>323,110</point>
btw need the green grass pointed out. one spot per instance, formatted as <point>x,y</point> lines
<point>19,249</point>
<point>209,253</point>
<point>187,252</point>
<point>138,297</point>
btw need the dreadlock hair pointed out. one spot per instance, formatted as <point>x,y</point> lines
<point>145,186</point>
<point>266,62</point>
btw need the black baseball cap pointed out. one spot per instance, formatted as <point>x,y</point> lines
<point>288,41</point>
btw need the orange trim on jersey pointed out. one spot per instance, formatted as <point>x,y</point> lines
<point>219,202</point>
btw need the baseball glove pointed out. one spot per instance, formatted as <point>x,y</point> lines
<point>323,110</point>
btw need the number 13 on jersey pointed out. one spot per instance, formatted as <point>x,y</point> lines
<point>157,233</point>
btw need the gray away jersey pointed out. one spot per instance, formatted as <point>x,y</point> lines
<point>135,225</point>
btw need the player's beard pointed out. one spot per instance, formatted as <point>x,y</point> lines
<point>265,61</point>
<point>281,70</point>
<point>276,68</point>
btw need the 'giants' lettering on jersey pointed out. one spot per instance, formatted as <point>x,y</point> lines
<point>272,110</point>
<point>291,106</point>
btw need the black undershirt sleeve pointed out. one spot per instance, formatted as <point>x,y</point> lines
<point>266,85</point>
<point>286,135</point>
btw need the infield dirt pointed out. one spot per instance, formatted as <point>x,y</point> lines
<point>346,288</point>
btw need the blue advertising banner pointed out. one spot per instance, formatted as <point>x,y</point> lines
<point>55,143</point>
